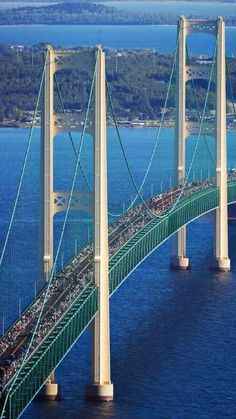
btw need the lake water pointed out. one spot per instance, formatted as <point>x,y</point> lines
<point>173,336</point>
<point>177,7</point>
<point>16,5</point>
<point>160,38</point>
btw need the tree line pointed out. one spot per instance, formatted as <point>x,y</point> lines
<point>138,81</point>
<point>82,12</point>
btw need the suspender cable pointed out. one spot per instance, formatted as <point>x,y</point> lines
<point>231,87</point>
<point>71,138</point>
<point>57,252</point>
<point>199,115</point>
<point>200,127</point>
<point>138,191</point>
<point>19,190</point>
<point>23,167</point>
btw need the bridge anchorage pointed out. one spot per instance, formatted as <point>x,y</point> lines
<point>216,128</point>
<point>86,282</point>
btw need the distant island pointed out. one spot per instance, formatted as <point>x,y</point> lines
<point>188,1</point>
<point>107,1</point>
<point>84,13</point>
<point>138,81</point>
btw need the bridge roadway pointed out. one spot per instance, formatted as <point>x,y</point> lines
<point>73,279</point>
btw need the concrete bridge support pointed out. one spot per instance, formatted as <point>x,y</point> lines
<point>179,259</point>
<point>55,201</point>
<point>101,388</point>
<point>50,391</point>
<point>221,260</point>
<point>46,170</point>
<point>216,128</point>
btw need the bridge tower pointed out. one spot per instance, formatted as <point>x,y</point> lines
<point>179,259</point>
<point>53,202</point>
<point>101,388</point>
<point>216,129</point>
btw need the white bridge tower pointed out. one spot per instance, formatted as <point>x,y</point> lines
<point>54,201</point>
<point>216,129</point>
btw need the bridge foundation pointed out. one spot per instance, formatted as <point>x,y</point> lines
<point>99,392</point>
<point>50,390</point>
<point>221,265</point>
<point>179,263</point>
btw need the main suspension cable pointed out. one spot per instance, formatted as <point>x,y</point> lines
<point>200,128</point>
<point>199,114</point>
<point>57,252</point>
<point>70,136</point>
<point>231,87</point>
<point>19,190</point>
<point>24,165</point>
<point>138,190</point>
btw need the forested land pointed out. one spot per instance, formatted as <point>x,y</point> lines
<point>76,1</point>
<point>203,1</point>
<point>83,13</point>
<point>50,1</point>
<point>138,81</point>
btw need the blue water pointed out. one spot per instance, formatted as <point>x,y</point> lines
<point>172,334</point>
<point>16,5</point>
<point>172,344</point>
<point>179,7</point>
<point>161,38</point>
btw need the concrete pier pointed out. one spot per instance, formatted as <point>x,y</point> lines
<point>50,390</point>
<point>99,392</point>
<point>179,263</point>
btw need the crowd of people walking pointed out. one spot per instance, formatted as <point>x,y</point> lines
<point>69,283</point>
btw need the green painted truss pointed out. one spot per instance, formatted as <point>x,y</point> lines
<point>62,337</point>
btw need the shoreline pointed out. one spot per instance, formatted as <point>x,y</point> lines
<point>9,25</point>
<point>131,125</point>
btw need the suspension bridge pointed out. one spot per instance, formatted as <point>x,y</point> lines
<point>70,297</point>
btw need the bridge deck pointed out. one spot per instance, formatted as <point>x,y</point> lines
<point>72,298</point>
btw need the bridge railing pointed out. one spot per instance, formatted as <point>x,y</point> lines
<point>69,327</point>
<point>51,351</point>
<point>157,231</point>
